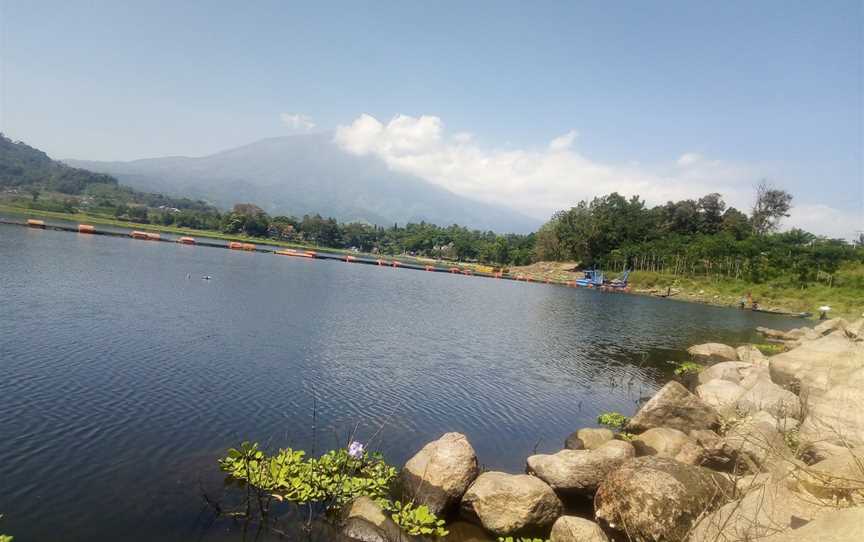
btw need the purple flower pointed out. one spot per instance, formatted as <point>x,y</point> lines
<point>356,450</point>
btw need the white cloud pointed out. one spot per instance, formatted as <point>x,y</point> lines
<point>564,142</point>
<point>825,220</point>
<point>297,121</point>
<point>541,181</point>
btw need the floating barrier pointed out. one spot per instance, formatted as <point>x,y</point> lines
<point>154,237</point>
<point>138,234</point>
<point>430,268</point>
<point>86,228</point>
<point>467,272</point>
<point>454,269</point>
<point>33,223</point>
<point>295,253</point>
<point>234,245</point>
<point>396,263</point>
<point>186,240</point>
<point>349,258</point>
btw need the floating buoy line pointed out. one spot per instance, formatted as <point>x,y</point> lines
<point>89,229</point>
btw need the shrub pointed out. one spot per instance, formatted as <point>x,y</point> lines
<point>613,420</point>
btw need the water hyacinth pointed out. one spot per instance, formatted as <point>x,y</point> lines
<point>356,449</point>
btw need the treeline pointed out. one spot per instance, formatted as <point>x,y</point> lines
<point>693,237</point>
<point>420,239</point>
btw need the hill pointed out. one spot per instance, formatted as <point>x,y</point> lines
<point>307,174</point>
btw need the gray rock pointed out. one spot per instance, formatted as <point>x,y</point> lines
<point>576,529</point>
<point>855,330</point>
<point>594,437</point>
<point>832,526</point>
<point>573,442</point>
<point>770,397</point>
<point>659,499</point>
<point>783,424</point>
<point>814,452</point>
<point>766,511</point>
<point>712,353</point>
<point>507,504</point>
<point>463,531</point>
<point>755,444</point>
<point>440,473</point>
<point>668,442</point>
<point>726,370</point>
<point>579,472</point>
<point>750,354</point>
<point>673,406</point>
<point>839,478</point>
<point>722,395</point>
<point>828,326</point>
<point>364,521</point>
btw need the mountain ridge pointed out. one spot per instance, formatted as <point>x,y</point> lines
<point>308,174</point>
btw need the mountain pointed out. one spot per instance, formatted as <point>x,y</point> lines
<point>22,165</point>
<point>307,174</point>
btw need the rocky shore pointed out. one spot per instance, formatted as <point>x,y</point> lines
<point>747,448</point>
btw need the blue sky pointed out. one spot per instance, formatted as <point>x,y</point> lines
<point>668,98</point>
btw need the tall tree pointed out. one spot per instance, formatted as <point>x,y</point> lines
<point>771,206</point>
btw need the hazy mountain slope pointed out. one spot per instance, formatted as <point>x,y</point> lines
<point>311,174</point>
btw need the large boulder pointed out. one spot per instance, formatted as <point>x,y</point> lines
<point>594,437</point>
<point>507,504</point>
<point>576,529</point>
<point>832,526</point>
<point>464,531</point>
<point>839,478</point>
<point>725,370</point>
<point>673,406</point>
<point>750,354</point>
<point>668,442</point>
<point>365,521</point>
<point>814,452</point>
<point>855,330</point>
<point>754,444</point>
<point>712,353</point>
<point>440,473</point>
<point>765,511</point>
<point>722,395</point>
<point>579,472</point>
<point>573,442</point>
<point>659,499</point>
<point>770,397</point>
<point>828,326</point>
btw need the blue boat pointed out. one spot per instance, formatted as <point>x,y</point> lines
<point>593,277</point>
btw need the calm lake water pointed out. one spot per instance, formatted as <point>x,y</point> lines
<point>122,381</point>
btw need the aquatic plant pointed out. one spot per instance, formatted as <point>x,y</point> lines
<point>331,480</point>
<point>614,420</point>
<point>687,368</point>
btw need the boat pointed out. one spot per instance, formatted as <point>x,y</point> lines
<point>619,282</point>
<point>591,278</point>
<point>784,313</point>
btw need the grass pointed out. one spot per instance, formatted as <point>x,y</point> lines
<point>846,296</point>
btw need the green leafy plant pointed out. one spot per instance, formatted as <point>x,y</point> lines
<point>613,420</point>
<point>687,368</point>
<point>416,520</point>
<point>333,479</point>
<point>5,538</point>
<point>769,349</point>
<point>625,436</point>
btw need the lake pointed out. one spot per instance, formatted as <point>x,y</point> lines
<point>123,380</point>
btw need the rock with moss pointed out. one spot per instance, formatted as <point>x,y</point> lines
<point>659,499</point>
<point>511,504</point>
<point>712,353</point>
<point>440,473</point>
<point>673,406</point>
<point>576,529</point>
<point>579,472</point>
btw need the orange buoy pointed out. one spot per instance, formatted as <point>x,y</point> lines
<point>186,240</point>
<point>298,254</point>
<point>454,269</point>
<point>33,223</point>
<point>138,234</point>
<point>349,258</point>
<point>429,268</point>
<point>234,245</point>
<point>396,263</point>
<point>153,236</point>
<point>86,228</point>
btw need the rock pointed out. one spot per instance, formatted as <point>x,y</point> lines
<point>673,406</point>
<point>668,442</point>
<point>440,473</point>
<point>828,326</point>
<point>765,511</point>
<point>770,397</point>
<point>755,444</point>
<point>832,526</point>
<point>657,498</point>
<point>463,531</point>
<point>751,482</point>
<point>783,425</point>
<point>506,504</point>
<point>855,330</point>
<point>594,437</point>
<point>769,333</point>
<point>814,452</point>
<point>754,376</point>
<point>366,522</point>
<point>722,395</point>
<point>839,478</point>
<point>573,442</point>
<point>712,353</point>
<point>579,472</point>
<point>836,416</point>
<point>576,529</point>
<point>715,454</point>
<point>750,354</point>
<point>725,370</point>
